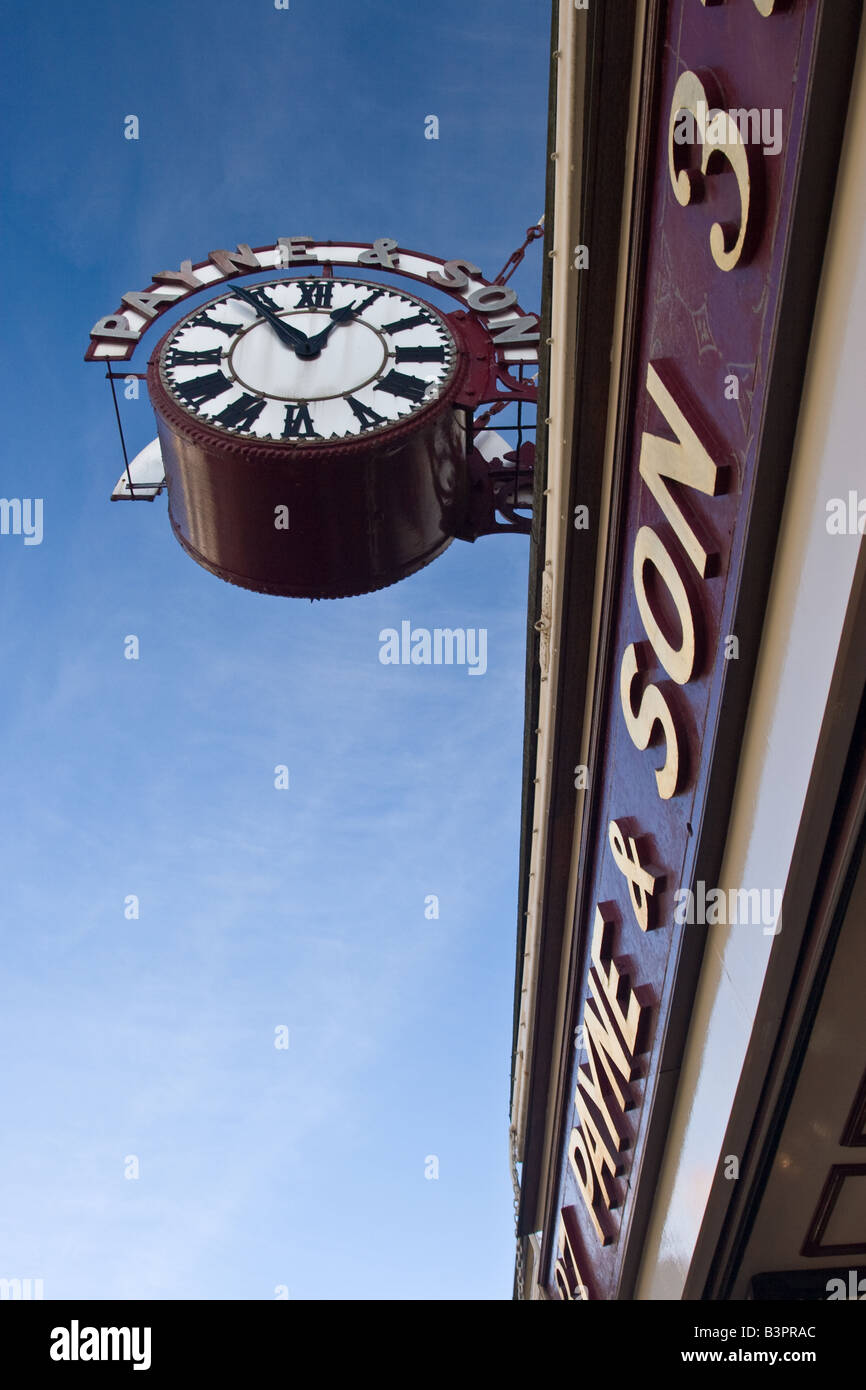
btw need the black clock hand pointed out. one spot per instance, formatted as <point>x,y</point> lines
<point>291,337</point>
<point>344,315</point>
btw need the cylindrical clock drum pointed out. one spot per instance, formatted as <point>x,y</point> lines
<point>312,434</point>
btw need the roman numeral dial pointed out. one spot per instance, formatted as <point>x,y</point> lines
<point>211,321</point>
<point>420,354</point>
<point>203,388</point>
<point>299,424</point>
<point>414,321</point>
<point>200,357</point>
<point>308,360</point>
<point>408,388</point>
<point>363,414</point>
<point>316,294</point>
<point>242,413</point>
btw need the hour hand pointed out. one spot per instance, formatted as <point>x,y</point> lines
<point>292,337</point>
<point>343,315</point>
<point>351,311</point>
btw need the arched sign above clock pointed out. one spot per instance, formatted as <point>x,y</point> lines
<point>317,430</point>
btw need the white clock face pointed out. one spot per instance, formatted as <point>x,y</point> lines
<point>308,360</point>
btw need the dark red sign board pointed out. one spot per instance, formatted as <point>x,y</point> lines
<point>736,132</point>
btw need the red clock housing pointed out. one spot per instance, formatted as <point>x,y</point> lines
<point>316,518</point>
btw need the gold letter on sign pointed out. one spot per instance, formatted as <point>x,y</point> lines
<point>719,137</point>
<point>679,661</point>
<point>584,1172</point>
<point>567,1275</point>
<point>641,881</point>
<point>614,1020</point>
<point>654,713</point>
<point>686,461</point>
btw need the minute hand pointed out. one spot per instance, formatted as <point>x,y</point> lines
<point>291,337</point>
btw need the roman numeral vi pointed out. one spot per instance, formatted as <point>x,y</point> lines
<point>298,423</point>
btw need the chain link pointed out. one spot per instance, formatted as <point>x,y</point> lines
<point>520,1258</point>
<point>532,234</point>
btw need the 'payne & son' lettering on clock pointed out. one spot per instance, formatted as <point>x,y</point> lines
<point>116,335</point>
<point>339,400</point>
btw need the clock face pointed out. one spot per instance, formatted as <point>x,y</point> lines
<point>307,361</point>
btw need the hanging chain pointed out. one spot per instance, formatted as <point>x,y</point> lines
<point>532,234</point>
<point>520,1263</point>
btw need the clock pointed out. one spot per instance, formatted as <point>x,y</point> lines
<point>313,434</point>
<point>309,361</point>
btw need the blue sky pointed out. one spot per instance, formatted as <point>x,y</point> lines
<point>258,908</point>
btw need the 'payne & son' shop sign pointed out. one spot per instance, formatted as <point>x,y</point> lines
<point>729,231</point>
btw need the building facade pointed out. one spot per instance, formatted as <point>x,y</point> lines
<point>689,1065</point>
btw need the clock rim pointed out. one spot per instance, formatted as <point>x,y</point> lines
<point>195,429</point>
